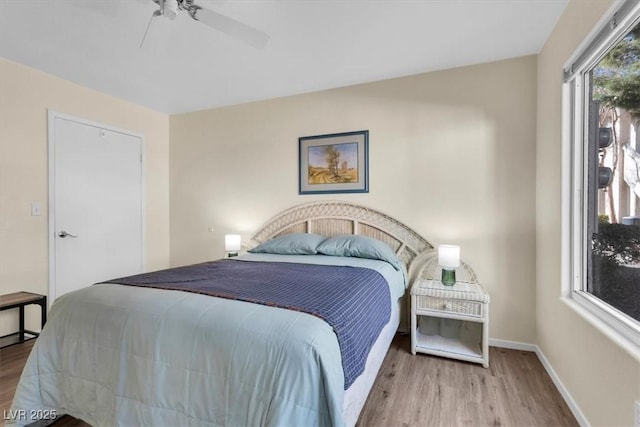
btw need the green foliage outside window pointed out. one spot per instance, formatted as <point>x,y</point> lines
<point>618,243</point>
<point>616,264</point>
<point>617,77</point>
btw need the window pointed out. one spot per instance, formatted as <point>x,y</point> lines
<point>602,140</point>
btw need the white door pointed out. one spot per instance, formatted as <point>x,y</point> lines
<point>96,204</point>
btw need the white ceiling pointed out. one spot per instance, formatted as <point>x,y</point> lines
<point>314,45</point>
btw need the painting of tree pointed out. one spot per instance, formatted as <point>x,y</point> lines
<point>333,164</point>
<point>333,158</point>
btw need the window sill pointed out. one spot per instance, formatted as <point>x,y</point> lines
<point>628,341</point>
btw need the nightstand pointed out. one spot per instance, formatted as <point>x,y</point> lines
<point>450,321</point>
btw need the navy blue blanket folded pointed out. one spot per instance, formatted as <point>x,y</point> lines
<point>355,301</point>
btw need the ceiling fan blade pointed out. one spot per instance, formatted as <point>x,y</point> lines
<point>233,28</point>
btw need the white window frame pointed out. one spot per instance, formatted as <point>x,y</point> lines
<point>621,328</point>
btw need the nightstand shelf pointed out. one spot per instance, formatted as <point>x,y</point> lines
<point>450,321</point>
<point>446,346</point>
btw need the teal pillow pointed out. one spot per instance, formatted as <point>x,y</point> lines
<point>290,244</point>
<point>360,247</point>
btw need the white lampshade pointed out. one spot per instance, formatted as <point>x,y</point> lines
<point>449,256</point>
<point>232,242</point>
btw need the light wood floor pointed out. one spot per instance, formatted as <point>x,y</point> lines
<point>423,390</point>
<point>418,390</point>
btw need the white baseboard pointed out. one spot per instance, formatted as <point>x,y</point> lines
<point>573,406</point>
<point>513,345</point>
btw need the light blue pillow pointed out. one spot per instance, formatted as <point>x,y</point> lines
<point>360,247</point>
<point>290,244</point>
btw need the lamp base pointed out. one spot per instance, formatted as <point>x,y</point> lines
<point>232,254</point>
<point>448,277</point>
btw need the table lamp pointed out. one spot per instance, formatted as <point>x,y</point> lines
<point>449,260</point>
<point>232,244</point>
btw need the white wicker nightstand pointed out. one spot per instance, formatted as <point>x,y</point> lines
<point>450,321</point>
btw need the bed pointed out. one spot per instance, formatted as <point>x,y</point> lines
<point>133,352</point>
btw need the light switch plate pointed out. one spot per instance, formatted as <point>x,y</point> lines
<point>35,209</point>
<point>636,422</point>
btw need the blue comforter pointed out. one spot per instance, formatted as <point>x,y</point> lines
<point>123,355</point>
<point>355,301</point>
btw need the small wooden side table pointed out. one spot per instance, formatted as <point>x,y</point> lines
<point>20,300</point>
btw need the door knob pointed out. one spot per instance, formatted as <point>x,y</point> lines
<point>64,234</point>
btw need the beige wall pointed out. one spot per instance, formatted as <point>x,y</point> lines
<point>601,377</point>
<point>25,96</point>
<point>452,154</point>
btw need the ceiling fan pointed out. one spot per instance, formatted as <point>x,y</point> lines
<point>215,20</point>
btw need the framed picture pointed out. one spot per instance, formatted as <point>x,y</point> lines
<point>335,163</point>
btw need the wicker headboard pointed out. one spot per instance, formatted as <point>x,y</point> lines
<point>334,218</point>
